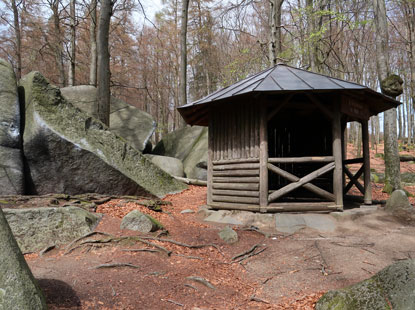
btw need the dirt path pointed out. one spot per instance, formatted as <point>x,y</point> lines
<point>291,272</point>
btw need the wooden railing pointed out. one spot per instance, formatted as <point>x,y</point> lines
<point>303,181</point>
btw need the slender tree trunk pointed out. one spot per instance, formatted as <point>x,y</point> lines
<point>18,35</point>
<point>104,74</point>
<point>183,52</point>
<point>400,125</point>
<point>392,163</point>
<point>409,121</point>
<point>93,43</point>
<point>58,43</point>
<point>275,43</point>
<point>72,13</point>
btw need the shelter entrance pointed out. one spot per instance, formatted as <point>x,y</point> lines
<point>299,144</point>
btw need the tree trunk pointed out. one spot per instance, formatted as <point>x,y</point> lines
<point>58,43</point>
<point>93,42</point>
<point>275,43</point>
<point>392,164</point>
<point>183,52</point>
<point>18,35</point>
<point>72,13</point>
<point>104,75</point>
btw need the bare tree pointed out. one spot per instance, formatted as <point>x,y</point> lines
<point>392,163</point>
<point>72,14</point>
<point>183,52</point>
<point>93,42</point>
<point>102,108</point>
<point>275,44</point>
<point>18,35</point>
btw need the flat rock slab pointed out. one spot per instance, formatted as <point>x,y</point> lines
<point>37,228</point>
<point>290,223</point>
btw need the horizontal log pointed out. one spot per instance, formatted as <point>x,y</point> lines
<point>278,207</point>
<point>244,193</point>
<point>236,173</point>
<point>308,159</point>
<point>191,181</point>
<point>303,206</point>
<point>306,179</point>
<point>311,187</point>
<point>240,186</point>
<point>236,166</point>
<point>353,161</point>
<point>236,179</point>
<point>233,206</point>
<point>235,161</point>
<point>235,199</point>
<point>404,158</point>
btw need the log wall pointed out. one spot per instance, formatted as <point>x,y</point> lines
<point>234,150</point>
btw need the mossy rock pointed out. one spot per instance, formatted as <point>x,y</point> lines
<point>11,171</point>
<point>37,228</point>
<point>127,121</point>
<point>138,221</point>
<point>391,288</point>
<point>68,151</point>
<point>392,85</point>
<point>18,288</point>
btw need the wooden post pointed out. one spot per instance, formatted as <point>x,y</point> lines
<point>263,158</point>
<point>210,160</point>
<point>366,163</point>
<point>338,158</point>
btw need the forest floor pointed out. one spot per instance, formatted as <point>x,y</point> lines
<point>192,268</point>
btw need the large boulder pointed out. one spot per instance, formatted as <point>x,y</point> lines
<point>11,166</point>
<point>38,228</point>
<point>68,151</point>
<point>190,145</point>
<point>18,288</point>
<point>127,121</point>
<point>171,165</point>
<point>391,288</point>
<point>398,205</point>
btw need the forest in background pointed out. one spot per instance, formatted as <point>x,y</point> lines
<point>226,42</point>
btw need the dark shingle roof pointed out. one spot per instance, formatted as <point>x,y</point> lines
<point>278,79</point>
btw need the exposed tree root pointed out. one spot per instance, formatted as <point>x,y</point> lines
<point>115,265</point>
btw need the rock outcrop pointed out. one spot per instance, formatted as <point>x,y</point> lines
<point>171,165</point>
<point>68,151</point>
<point>398,205</point>
<point>391,288</point>
<point>11,165</point>
<point>190,145</point>
<point>18,288</point>
<point>126,121</point>
<point>38,228</point>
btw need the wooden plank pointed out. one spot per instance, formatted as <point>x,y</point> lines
<point>236,173</point>
<point>311,187</point>
<point>252,132</point>
<point>236,166</point>
<point>235,161</point>
<point>263,158</point>
<point>353,161</point>
<point>280,106</point>
<point>366,164</point>
<point>236,180</point>
<point>235,199</point>
<point>246,136</point>
<point>238,186</point>
<point>337,153</point>
<point>210,160</point>
<point>225,192</point>
<point>234,206</point>
<point>257,120</point>
<point>354,180</point>
<point>320,105</point>
<point>306,179</point>
<point>303,206</point>
<point>311,159</point>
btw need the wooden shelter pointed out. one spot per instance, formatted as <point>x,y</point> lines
<point>276,140</point>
